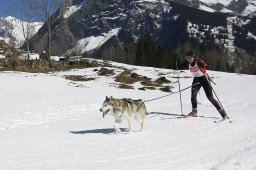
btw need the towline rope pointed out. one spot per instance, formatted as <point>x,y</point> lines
<point>172,93</point>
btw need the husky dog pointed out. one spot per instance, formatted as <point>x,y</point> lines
<point>124,109</point>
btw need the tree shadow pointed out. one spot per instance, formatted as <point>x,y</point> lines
<point>97,131</point>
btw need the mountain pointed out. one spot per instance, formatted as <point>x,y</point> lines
<point>236,7</point>
<point>107,28</point>
<point>11,30</point>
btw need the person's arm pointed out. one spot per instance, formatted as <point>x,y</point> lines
<point>202,63</point>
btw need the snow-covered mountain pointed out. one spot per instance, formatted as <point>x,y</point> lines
<point>237,7</point>
<point>11,30</point>
<point>94,26</point>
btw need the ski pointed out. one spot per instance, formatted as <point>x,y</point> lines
<point>216,121</point>
<point>222,120</point>
<point>186,116</point>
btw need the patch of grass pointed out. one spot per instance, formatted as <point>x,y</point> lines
<point>148,83</point>
<point>150,87</point>
<point>162,80</point>
<point>166,89</point>
<point>125,78</point>
<point>157,83</point>
<point>147,87</point>
<point>125,86</point>
<point>78,78</point>
<point>135,76</point>
<point>105,72</point>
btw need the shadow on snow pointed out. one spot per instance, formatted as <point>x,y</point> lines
<point>98,131</point>
<point>150,115</point>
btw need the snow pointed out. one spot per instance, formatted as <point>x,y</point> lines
<point>151,0</point>
<point>47,122</point>
<point>34,56</point>
<point>92,42</point>
<point>2,56</point>
<point>225,10</point>
<point>250,35</point>
<point>249,9</point>
<point>56,58</point>
<point>231,38</point>
<point>14,27</point>
<point>72,9</point>
<point>6,40</point>
<point>205,8</point>
<point>223,2</point>
<point>207,4</point>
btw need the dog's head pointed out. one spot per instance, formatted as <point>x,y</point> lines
<point>107,105</point>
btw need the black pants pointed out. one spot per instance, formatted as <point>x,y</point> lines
<point>207,89</point>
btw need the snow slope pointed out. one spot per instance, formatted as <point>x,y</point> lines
<point>228,6</point>
<point>48,122</point>
<point>91,43</point>
<point>72,9</point>
<point>224,2</point>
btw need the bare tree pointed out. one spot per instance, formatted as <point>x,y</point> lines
<point>10,33</point>
<point>28,14</point>
<point>46,9</point>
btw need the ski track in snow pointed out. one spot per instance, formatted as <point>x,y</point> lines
<point>45,123</point>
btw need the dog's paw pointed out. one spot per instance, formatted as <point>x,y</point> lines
<point>117,132</point>
<point>128,131</point>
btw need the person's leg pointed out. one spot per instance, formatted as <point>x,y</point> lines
<point>208,91</point>
<point>194,91</point>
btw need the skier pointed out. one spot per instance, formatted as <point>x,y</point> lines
<point>197,68</point>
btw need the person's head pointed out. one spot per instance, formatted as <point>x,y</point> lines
<point>190,56</point>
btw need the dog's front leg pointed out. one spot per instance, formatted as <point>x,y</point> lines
<point>142,124</point>
<point>118,121</point>
<point>130,125</point>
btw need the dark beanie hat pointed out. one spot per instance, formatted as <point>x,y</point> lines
<point>190,54</point>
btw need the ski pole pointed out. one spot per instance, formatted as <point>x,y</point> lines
<point>210,79</point>
<point>179,84</point>
<point>217,96</point>
<point>213,89</point>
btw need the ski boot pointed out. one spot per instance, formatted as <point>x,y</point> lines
<point>193,112</point>
<point>223,114</point>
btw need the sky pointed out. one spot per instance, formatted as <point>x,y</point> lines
<point>7,7</point>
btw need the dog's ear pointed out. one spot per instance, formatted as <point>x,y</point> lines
<point>111,98</point>
<point>107,98</point>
